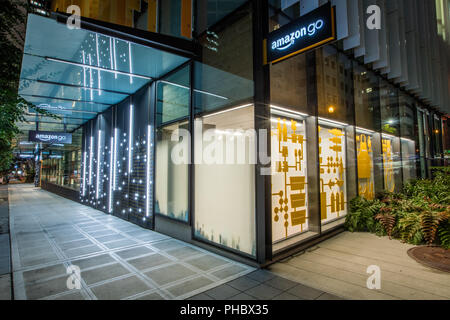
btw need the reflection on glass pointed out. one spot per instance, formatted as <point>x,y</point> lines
<point>389,109</point>
<point>408,159</point>
<point>288,83</point>
<point>366,176</point>
<point>171,176</point>
<point>173,97</point>
<point>289,178</point>
<point>332,159</point>
<point>224,154</point>
<point>389,162</point>
<point>334,84</point>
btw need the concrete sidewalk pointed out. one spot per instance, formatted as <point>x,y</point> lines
<point>5,257</point>
<point>338,265</point>
<point>118,260</point>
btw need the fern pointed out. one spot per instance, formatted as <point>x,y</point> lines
<point>387,220</point>
<point>444,235</point>
<point>410,228</point>
<point>430,221</point>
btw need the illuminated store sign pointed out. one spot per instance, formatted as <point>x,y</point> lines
<point>50,137</point>
<point>309,31</point>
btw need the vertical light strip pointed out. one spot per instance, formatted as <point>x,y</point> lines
<point>111,54</point>
<point>84,70</point>
<point>130,143</point>
<point>91,82</point>
<point>131,64</point>
<point>149,180</point>
<point>116,139</point>
<point>115,57</point>
<point>84,173</point>
<point>91,154</point>
<point>98,64</point>
<point>98,164</point>
<point>111,164</point>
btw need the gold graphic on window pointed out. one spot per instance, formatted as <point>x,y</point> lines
<point>332,173</point>
<point>388,164</point>
<point>365,166</point>
<point>288,179</point>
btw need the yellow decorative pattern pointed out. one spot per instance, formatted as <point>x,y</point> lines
<point>365,166</point>
<point>288,179</point>
<point>332,173</point>
<point>388,165</point>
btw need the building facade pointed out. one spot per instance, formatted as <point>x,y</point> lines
<point>188,128</point>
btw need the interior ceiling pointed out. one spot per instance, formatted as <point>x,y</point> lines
<point>76,74</point>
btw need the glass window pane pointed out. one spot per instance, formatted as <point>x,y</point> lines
<point>171,177</point>
<point>332,159</point>
<point>224,154</point>
<point>290,219</point>
<point>366,175</point>
<point>173,97</point>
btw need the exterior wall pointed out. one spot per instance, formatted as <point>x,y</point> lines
<point>344,120</point>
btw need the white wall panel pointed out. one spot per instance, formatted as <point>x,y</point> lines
<point>341,18</point>
<point>354,25</point>
<point>383,61</point>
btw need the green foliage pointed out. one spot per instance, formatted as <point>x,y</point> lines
<point>444,235</point>
<point>12,106</point>
<point>419,215</point>
<point>362,215</point>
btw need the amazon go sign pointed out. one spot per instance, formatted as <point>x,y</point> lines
<point>50,137</point>
<point>309,31</point>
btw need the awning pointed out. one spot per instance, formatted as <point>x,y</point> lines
<point>76,73</point>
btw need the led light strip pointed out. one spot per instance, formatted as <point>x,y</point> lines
<point>111,164</point>
<point>98,68</point>
<point>84,173</point>
<point>364,131</point>
<point>97,191</point>
<point>326,121</point>
<point>91,81</point>
<point>149,180</point>
<point>130,137</point>
<point>287,112</point>
<point>91,153</point>
<point>116,139</point>
<point>388,136</point>
<point>195,90</point>
<point>129,59</point>
<point>98,64</point>
<point>225,111</point>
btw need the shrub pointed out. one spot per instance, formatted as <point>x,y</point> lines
<point>418,215</point>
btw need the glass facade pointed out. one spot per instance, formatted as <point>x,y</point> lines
<point>61,165</point>
<point>185,150</point>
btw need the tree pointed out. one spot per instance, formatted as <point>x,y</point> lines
<point>12,106</point>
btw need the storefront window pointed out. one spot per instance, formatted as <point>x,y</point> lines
<point>334,85</point>
<point>290,218</point>
<point>332,159</point>
<point>391,146</point>
<point>225,76</point>
<point>173,97</point>
<point>367,104</point>
<point>391,163</point>
<point>336,131</point>
<point>171,176</point>
<point>225,178</point>
<point>365,158</point>
<point>408,138</point>
<point>62,164</point>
